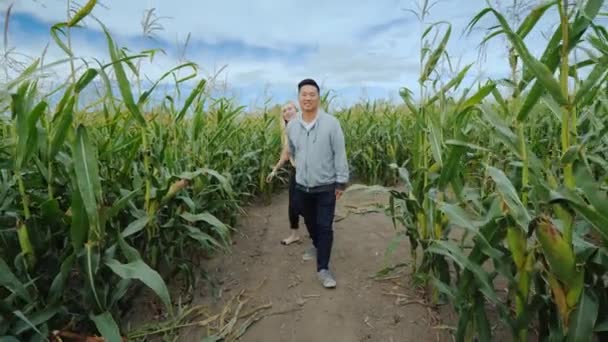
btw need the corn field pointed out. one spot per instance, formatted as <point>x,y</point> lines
<point>102,199</point>
<point>513,188</point>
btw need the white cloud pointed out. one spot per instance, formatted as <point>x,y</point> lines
<point>263,22</point>
<point>387,56</point>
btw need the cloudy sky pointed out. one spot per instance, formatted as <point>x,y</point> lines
<point>356,48</point>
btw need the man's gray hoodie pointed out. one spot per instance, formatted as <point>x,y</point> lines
<point>319,153</point>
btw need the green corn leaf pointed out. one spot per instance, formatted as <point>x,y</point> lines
<point>27,133</point>
<point>20,106</point>
<point>130,253</point>
<point>511,197</point>
<point>9,281</point>
<point>482,325</point>
<point>79,228</point>
<point>460,218</point>
<point>465,321</point>
<point>592,190</point>
<point>36,319</point>
<point>450,250</point>
<point>25,75</point>
<point>82,13</point>
<point>598,219</point>
<point>8,339</point>
<point>67,96</point>
<point>455,142</point>
<point>191,175</point>
<point>585,19</point>
<point>479,96</point>
<point>196,92</point>
<point>504,133</point>
<point>540,70</point>
<point>136,226</point>
<point>406,95</point>
<point>206,217</point>
<point>51,212</point>
<point>107,327</point>
<point>601,326</point>
<point>91,268</point>
<point>123,82</point>
<point>129,61</point>
<point>24,319</point>
<point>61,130</point>
<point>477,18</point>
<point>204,239</point>
<point>120,291</point>
<point>443,287</point>
<point>584,93</point>
<point>453,83</point>
<point>55,30</point>
<point>107,84</point>
<point>435,137</point>
<point>571,155</point>
<point>532,19</point>
<point>87,177</point>
<point>551,55</point>
<point>198,124</point>
<point>490,36</point>
<point>121,204</point>
<point>56,290</point>
<point>222,230</point>
<point>553,107</point>
<point>85,79</point>
<point>141,271</point>
<point>452,166</point>
<point>435,56</point>
<point>583,318</point>
<point>146,94</point>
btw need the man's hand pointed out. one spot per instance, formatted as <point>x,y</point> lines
<point>339,194</point>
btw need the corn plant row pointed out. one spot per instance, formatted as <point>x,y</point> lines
<point>521,178</point>
<point>98,201</point>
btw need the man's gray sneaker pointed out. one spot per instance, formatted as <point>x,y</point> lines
<point>327,279</point>
<point>310,253</point>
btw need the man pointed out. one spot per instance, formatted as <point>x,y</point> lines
<point>316,142</point>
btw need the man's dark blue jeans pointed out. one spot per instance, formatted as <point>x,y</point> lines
<point>318,208</point>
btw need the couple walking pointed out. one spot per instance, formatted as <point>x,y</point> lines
<point>314,146</point>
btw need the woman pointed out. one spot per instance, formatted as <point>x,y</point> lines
<point>289,111</point>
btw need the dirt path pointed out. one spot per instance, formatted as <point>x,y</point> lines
<point>359,309</point>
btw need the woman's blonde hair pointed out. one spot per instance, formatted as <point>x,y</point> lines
<point>290,102</point>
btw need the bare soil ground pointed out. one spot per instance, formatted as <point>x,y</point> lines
<point>359,309</point>
<point>262,291</point>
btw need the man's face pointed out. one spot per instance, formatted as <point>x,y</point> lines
<point>309,98</point>
<point>289,111</point>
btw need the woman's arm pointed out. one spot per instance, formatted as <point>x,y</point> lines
<point>284,156</point>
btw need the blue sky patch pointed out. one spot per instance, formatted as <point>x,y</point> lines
<point>265,48</point>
